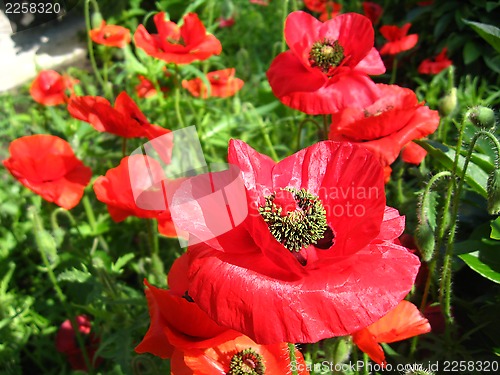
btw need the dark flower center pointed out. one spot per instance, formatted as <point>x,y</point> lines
<point>326,55</point>
<point>247,362</point>
<point>297,219</point>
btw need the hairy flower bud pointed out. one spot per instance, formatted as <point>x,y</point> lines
<point>482,117</point>
<point>424,239</point>
<point>448,103</point>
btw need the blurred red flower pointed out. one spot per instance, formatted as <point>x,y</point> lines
<point>226,22</point>
<point>204,347</point>
<point>223,84</point>
<point>260,2</point>
<point>49,87</point>
<point>145,88</point>
<point>66,343</point>
<point>388,125</point>
<point>398,41</point>
<point>401,323</point>
<point>328,8</point>
<point>326,273</point>
<point>435,65</point>
<point>125,119</point>
<point>178,45</point>
<point>373,11</point>
<point>110,35</point>
<point>327,66</point>
<point>116,191</point>
<point>46,165</point>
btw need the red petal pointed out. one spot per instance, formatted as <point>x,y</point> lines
<point>301,31</point>
<point>366,341</point>
<point>413,153</point>
<point>328,301</point>
<point>371,64</point>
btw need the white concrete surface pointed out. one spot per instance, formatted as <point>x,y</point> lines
<point>48,46</point>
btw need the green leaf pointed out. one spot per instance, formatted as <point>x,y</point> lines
<point>471,52</point>
<point>475,177</point>
<point>74,275</point>
<point>131,62</point>
<point>485,261</point>
<point>121,262</point>
<point>495,229</point>
<point>489,33</point>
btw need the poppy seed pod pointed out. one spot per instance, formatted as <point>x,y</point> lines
<point>424,238</point>
<point>448,103</point>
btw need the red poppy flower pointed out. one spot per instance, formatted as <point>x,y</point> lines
<point>223,84</point>
<point>66,343</point>
<point>125,119</point>
<point>326,273</point>
<point>327,66</point>
<point>398,41</point>
<point>178,45</point>
<point>115,189</point>
<point>204,347</point>
<point>110,35</point>
<point>403,322</point>
<point>49,87</point>
<point>386,126</point>
<point>260,2</point>
<point>434,66</point>
<point>373,11</point>
<point>46,165</point>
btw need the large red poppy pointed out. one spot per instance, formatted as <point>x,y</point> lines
<point>401,323</point>
<point>223,84</point>
<point>178,45</point>
<point>388,125</point>
<point>47,165</point>
<point>49,87</point>
<point>124,119</point>
<point>397,39</point>
<point>116,191</point>
<point>110,35</point>
<point>436,64</point>
<point>327,66</point>
<point>316,248</point>
<point>180,330</point>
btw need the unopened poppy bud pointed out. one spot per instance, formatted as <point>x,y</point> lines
<point>493,189</point>
<point>448,103</point>
<point>96,20</point>
<point>482,117</point>
<point>424,239</point>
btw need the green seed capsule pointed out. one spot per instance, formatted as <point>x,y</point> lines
<point>482,117</point>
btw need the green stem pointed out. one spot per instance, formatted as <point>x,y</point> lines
<point>177,98</point>
<point>394,70</point>
<point>124,146</point>
<point>89,212</point>
<point>283,19</point>
<point>293,359</point>
<point>91,47</point>
<point>38,228</point>
<point>301,126</point>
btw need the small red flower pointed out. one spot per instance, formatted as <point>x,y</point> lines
<point>327,66</point>
<point>388,125</point>
<point>328,9</point>
<point>226,22</point>
<point>401,323</point>
<point>373,11</point>
<point>145,88</point>
<point>204,347</point>
<point>66,343</point>
<point>223,84</point>
<point>178,45</point>
<point>260,2</point>
<point>110,35</point>
<point>327,273</point>
<point>435,65</point>
<point>49,87</point>
<point>116,191</point>
<point>46,165</point>
<point>125,119</point>
<point>398,41</point>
